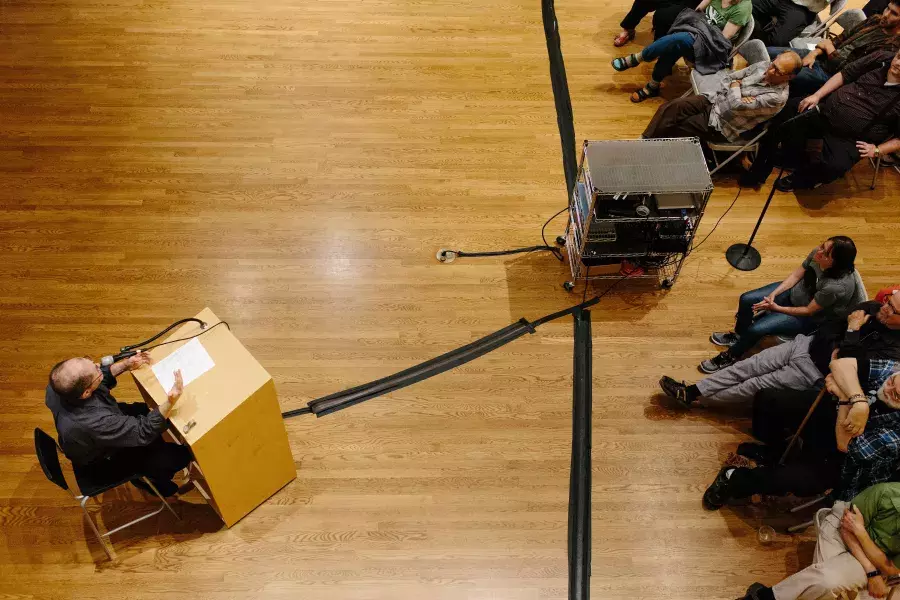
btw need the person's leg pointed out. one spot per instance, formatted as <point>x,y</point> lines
<point>808,81</point>
<point>744,317</point>
<point>682,117</point>
<point>664,16</point>
<point>793,135</point>
<point>824,580</point>
<point>778,413</point>
<point>763,12</point>
<point>678,45</point>
<point>159,462</point>
<point>790,24</point>
<point>785,366</point>
<point>639,10</point>
<point>767,324</point>
<point>838,156</point>
<point>798,477</point>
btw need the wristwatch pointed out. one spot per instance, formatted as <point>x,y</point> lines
<point>872,574</point>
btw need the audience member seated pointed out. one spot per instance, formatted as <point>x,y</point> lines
<point>802,363</point>
<point>880,32</point>
<point>857,546</point>
<point>845,455</point>
<point>736,103</point>
<point>860,118</point>
<point>790,17</point>
<point>821,287</point>
<point>705,41</point>
<point>640,9</point>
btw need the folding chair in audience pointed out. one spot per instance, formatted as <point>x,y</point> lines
<point>846,20</point>
<point>891,160</point>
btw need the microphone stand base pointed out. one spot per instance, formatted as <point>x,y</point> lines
<point>743,257</point>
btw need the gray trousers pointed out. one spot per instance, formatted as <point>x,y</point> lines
<point>785,366</point>
<point>834,570</point>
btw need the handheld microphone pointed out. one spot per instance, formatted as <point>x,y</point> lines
<point>113,358</point>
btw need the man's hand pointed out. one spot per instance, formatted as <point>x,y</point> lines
<point>877,587</point>
<point>856,419</point>
<point>810,59</point>
<point>826,46</point>
<point>177,389</point>
<point>735,84</point>
<point>866,150</point>
<point>747,100</point>
<point>853,522</point>
<point>137,361</point>
<point>857,319</point>
<point>808,103</point>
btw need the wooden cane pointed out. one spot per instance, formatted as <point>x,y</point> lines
<point>802,425</point>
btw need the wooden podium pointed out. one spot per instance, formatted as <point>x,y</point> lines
<point>230,418</point>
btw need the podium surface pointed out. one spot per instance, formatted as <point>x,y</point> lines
<point>230,418</point>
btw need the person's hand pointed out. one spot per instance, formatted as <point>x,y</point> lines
<point>137,361</point>
<point>808,103</point>
<point>877,587</point>
<point>177,389</point>
<point>853,522</point>
<point>766,304</point>
<point>735,84</point>
<point>866,150</point>
<point>857,319</point>
<point>810,59</point>
<point>826,46</point>
<point>832,386</point>
<point>747,100</point>
<point>856,419</point>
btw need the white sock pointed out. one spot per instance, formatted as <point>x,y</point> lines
<point>729,472</point>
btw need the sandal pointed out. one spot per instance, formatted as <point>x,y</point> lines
<point>648,91</point>
<point>624,63</point>
<point>623,38</point>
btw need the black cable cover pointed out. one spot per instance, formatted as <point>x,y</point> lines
<point>561,98</point>
<point>580,470</point>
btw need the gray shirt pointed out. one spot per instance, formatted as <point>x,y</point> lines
<point>92,429</point>
<point>834,295</point>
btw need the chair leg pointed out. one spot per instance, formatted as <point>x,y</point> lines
<point>158,495</point>
<point>800,527</point>
<point>815,500</point>
<point>877,165</point>
<point>83,501</point>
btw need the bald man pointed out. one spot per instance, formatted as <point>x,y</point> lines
<point>109,438</point>
<point>730,103</point>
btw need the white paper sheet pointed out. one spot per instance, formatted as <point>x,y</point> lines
<point>192,359</point>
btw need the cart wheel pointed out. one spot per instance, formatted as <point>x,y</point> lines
<point>560,240</point>
<point>666,283</point>
<point>569,286</point>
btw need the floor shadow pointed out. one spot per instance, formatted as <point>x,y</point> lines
<point>731,418</point>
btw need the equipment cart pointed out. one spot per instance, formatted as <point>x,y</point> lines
<point>635,208</point>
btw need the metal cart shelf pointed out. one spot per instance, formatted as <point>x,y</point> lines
<point>636,204</point>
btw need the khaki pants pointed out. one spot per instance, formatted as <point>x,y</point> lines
<point>834,570</point>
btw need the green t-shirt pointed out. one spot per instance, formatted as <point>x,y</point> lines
<point>880,508</point>
<point>739,13</point>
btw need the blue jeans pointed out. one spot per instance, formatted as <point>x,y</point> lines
<point>666,51</point>
<point>770,323</point>
<point>809,79</point>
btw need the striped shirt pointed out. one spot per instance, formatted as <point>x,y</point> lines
<point>730,114</point>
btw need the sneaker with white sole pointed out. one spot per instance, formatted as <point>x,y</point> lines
<point>719,361</point>
<point>724,338</point>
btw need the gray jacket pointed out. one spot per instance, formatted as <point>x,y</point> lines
<point>711,48</point>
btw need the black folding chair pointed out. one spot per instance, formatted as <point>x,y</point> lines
<point>90,483</point>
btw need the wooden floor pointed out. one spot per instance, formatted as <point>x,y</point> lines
<point>295,165</point>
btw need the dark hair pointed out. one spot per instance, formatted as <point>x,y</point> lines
<point>68,388</point>
<point>843,255</point>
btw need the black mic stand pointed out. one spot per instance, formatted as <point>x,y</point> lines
<point>745,257</point>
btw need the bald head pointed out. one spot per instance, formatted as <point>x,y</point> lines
<point>74,378</point>
<point>784,67</point>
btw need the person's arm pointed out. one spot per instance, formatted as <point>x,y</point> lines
<point>116,430</point>
<point>867,150</point>
<point>797,311</point>
<point>129,364</point>
<point>876,586</point>
<point>854,521</point>
<point>845,378</point>
<point>826,47</point>
<point>851,344</point>
<point>730,30</point>
<point>812,101</point>
<point>789,282</point>
<point>842,434</point>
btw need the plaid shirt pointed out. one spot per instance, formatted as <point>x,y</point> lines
<point>872,457</point>
<point>730,114</point>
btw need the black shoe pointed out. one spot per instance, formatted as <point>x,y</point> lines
<point>749,180</point>
<point>785,184</point>
<point>716,495</point>
<point>758,453</point>
<point>757,591</point>
<point>720,361</point>
<point>676,389</point>
<point>724,338</point>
